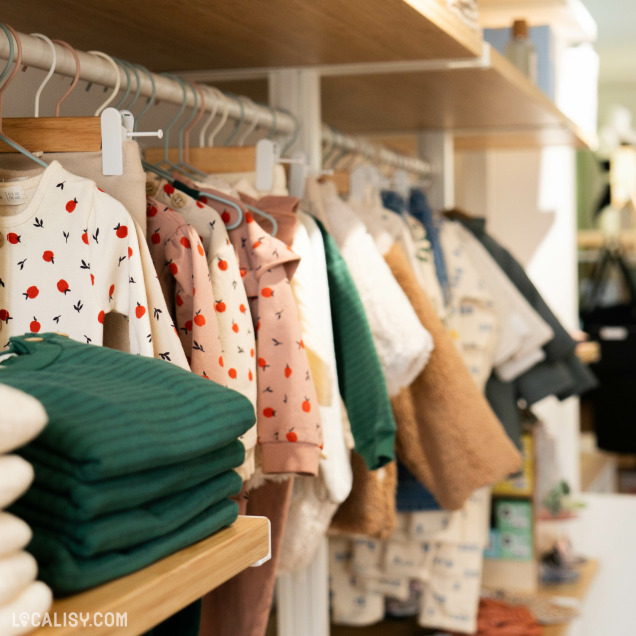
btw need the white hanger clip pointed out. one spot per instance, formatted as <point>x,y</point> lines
<point>268,156</point>
<point>116,128</point>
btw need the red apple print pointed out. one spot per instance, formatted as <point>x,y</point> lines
<point>232,373</point>
<point>258,325</point>
<point>32,292</point>
<point>155,238</point>
<point>288,371</point>
<point>221,361</point>
<point>111,291</point>
<point>199,320</point>
<point>62,286</point>
<point>269,412</point>
<point>302,344</point>
<point>100,317</point>
<point>35,325</point>
<point>248,217</point>
<point>168,189</point>
<point>71,205</point>
<point>262,362</point>
<point>252,353</point>
<point>250,375</point>
<point>140,310</point>
<point>178,300</point>
<point>306,406</point>
<point>256,244</point>
<point>222,265</point>
<point>173,269</point>
<point>243,272</point>
<point>185,242</point>
<point>152,210</point>
<point>199,204</point>
<point>122,231</point>
<point>4,315</point>
<point>200,250</point>
<point>48,256</point>
<point>267,292</point>
<point>291,436</point>
<point>242,308</point>
<point>13,238</point>
<point>130,252</point>
<point>220,306</point>
<point>85,237</point>
<point>92,279</point>
<point>225,217</point>
<point>194,290</point>
<point>235,327</point>
<point>188,325</point>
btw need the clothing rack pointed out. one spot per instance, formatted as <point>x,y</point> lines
<point>37,54</point>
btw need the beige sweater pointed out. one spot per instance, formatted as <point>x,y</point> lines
<point>447,435</point>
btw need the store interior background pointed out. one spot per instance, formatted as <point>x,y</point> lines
<point>535,201</point>
<point>503,186</point>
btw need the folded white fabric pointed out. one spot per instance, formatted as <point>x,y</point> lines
<point>34,600</point>
<point>351,604</point>
<point>17,571</point>
<point>15,534</point>
<point>22,418</point>
<point>16,475</point>
<point>402,343</point>
<point>523,332</point>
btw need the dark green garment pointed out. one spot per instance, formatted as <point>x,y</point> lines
<point>68,498</point>
<point>124,530</point>
<point>68,574</point>
<point>113,413</point>
<point>360,378</point>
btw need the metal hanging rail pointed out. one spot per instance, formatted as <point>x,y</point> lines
<point>375,153</point>
<point>38,54</point>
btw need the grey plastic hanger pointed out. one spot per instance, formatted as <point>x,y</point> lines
<point>151,99</point>
<point>11,33</point>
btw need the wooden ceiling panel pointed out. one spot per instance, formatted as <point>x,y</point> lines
<point>169,35</point>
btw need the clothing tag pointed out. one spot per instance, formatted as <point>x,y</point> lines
<point>12,194</point>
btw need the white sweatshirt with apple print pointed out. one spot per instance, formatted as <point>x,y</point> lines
<point>69,254</point>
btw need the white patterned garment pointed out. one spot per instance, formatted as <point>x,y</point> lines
<point>70,254</point>
<point>472,315</point>
<point>523,331</point>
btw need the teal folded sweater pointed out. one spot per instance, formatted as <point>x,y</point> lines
<point>124,530</point>
<point>66,573</point>
<point>113,413</point>
<point>65,497</point>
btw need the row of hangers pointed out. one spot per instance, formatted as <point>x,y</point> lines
<point>115,125</point>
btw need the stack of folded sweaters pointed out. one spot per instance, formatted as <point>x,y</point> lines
<point>21,419</point>
<point>136,462</point>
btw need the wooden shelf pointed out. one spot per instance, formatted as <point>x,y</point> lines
<point>207,34</point>
<point>576,590</point>
<point>493,108</point>
<point>595,239</point>
<point>151,595</point>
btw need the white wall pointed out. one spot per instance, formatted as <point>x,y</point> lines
<point>528,199</point>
